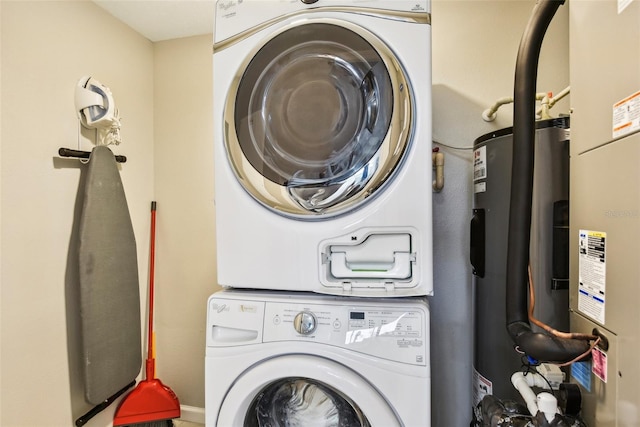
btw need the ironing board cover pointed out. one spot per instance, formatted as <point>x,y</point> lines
<point>109,290</point>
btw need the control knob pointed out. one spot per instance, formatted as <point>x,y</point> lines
<point>305,322</point>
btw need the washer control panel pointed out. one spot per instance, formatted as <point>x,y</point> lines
<point>395,330</point>
<point>382,331</point>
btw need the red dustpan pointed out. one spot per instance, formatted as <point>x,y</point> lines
<point>151,400</point>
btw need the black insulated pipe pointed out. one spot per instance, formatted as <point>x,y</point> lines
<point>539,346</point>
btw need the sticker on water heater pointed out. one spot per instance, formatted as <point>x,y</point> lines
<point>599,364</point>
<point>592,268</point>
<point>480,163</point>
<point>626,116</point>
<point>481,387</point>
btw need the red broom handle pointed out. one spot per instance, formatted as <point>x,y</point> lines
<point>152,256</point>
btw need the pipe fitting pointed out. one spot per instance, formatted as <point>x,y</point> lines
<point>437,160</point>
<point>548,405</point>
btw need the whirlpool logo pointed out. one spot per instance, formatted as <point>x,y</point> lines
<point>219,308</point>
<point>226,5</point>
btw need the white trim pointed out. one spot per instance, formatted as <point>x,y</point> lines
<point>192,414</point>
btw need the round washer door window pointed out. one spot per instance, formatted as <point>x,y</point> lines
<point>300,391</point>
<point>319,119</point>
<point>303,402</point>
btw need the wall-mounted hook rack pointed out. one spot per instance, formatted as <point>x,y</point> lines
<point>67,152</point>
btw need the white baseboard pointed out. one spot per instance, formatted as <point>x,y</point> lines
<point>192,414</point>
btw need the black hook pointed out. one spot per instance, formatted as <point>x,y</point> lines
<point>67,152</point>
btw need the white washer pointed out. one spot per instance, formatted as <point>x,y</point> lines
<point>314,360</point>
<point>322,127</point>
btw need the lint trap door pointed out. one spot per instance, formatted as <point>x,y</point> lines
<point>318,120</point>
<point>370,260</point>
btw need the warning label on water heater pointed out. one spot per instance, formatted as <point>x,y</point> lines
<point>481,387</point>
<point>480,163</point>
<point>592,274</point>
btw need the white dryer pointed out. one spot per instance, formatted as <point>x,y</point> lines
<point>304,359</point>
<point>322,133</point>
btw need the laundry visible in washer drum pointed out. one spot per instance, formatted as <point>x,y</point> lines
<point>297,402</point>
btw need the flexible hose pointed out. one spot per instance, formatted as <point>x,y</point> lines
<point>540,346</point>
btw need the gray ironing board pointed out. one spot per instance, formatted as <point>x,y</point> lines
<point>109,290</point>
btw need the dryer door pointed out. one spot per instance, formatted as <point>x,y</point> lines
<point>303,390</point>
<point>319,119</point>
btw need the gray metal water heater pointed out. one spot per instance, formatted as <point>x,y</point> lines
<point>495,358</point>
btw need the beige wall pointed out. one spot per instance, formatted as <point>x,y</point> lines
<point>46,48</point>
<point>186,263</point>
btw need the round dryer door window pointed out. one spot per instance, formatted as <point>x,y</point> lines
<point>319,120</point>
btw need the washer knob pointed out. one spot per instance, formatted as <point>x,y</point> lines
<point>305,322</point>
<point>309,1</point>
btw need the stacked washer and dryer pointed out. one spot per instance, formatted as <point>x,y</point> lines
<point>322,127</point>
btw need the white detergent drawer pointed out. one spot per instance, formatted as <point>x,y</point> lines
<point>385,256</point>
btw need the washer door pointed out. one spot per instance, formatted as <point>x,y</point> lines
<point>319,119</point>
<point>303,390</point>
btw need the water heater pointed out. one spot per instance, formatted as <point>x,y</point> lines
<point>495,358</point>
